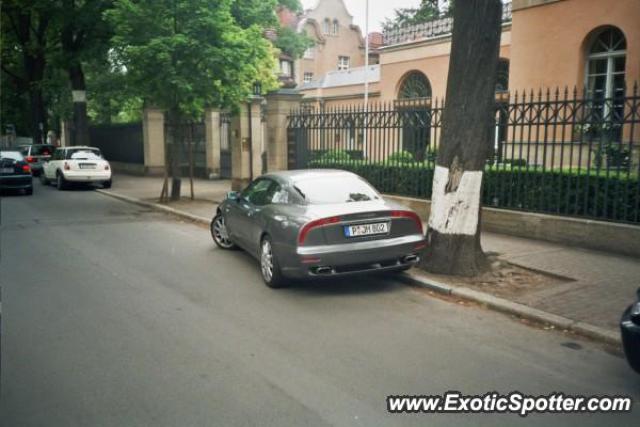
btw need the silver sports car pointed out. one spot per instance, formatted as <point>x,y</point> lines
<point>312,223</point>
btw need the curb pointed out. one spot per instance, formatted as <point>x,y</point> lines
<point>157,207</point>
<point>514,308</point>
<point>490,301</point>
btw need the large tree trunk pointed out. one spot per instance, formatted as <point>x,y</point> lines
<point>467,134</point>
<point>80,132</point>
<point>175,160</point>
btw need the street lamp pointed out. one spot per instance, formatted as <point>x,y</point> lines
<point>257,88</point>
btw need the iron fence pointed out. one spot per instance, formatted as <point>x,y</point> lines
<point>119,142</point>
<point>557,152</point>
<point>191,153</point>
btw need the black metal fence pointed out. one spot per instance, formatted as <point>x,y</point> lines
<point>555,152</point>
<point>119,142</point>
<point>191,152</point>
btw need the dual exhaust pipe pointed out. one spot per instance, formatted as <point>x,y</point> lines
<point>326,270</point>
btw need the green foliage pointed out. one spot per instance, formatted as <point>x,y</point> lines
<point>292,5</point>
<point>402,157</point>
<point>254,12</point>
<point>609,196</point>
<point>293,43</point>
<point>335,156</point>
<point>184,55</point>
<point>427,11</point>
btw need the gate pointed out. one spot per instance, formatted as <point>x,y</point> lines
<point>225,148</point>
<point>192,152</point>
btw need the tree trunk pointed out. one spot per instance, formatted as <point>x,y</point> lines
<point>38,113</point>
<point>34,63</point>
<point>467,135</point>
<point>80,131</point>
<point>175,161</point>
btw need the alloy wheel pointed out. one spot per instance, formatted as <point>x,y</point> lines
<point>266,261</point>
<point>220,233</point>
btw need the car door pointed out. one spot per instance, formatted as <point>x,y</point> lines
<point>235,212</point>
<point>257,212</point>
<point>244,212</point>
<point>50,166</point>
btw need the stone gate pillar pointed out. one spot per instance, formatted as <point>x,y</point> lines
<point>279,104</point>
<point>246,144</point>
<point>153,136</point>
<point>212,142</point>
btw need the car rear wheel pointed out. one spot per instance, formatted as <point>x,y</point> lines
<point>220,234</point>
<point>269,266</point>
<point>106,184</point>
<point>28,191</point>
<point>43,179</point>
<point>61,183</point>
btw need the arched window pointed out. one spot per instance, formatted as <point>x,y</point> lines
<point>606,57</point>
<point>335,28</point>
<point>415,85</point>
<point>502,83</point>
<point>326,26</point>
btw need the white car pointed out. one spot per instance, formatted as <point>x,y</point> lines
<point>76,165</point>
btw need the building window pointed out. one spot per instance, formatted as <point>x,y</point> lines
<point>308,77</point>
<point>605,85</point>
<point>343,63</point>
<point>309,53</point>
<point>502,83</point>
<point>326,26</point>
<point>415,85</point>
<point>336,27</point>
<point>605,65</point>
<point>286,68</point>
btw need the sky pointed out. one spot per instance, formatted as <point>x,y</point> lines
<point>378,10</point>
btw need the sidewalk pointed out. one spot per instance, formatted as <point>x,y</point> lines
<point>593,287</point>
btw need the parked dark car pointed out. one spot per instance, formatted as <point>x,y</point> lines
<point>15,172</point>
<point>630,328</point>
<point>36,155</point>
<point>318,223</point>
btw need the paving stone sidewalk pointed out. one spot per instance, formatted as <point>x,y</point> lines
<point>601,286</point>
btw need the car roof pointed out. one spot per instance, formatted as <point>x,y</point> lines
<point>76,147</point>
<point>301,174</point>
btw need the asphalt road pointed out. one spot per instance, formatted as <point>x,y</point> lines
<point>114,315</point>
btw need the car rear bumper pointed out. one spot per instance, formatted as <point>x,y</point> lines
<point>36,168</point>
<point>631,340</point>
<point>16,182</point>
<point>357,257</point>
<point>82,176</point>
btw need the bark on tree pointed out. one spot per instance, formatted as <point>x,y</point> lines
<point>30,30</point>
<point>176,126</point>
<point>80,131</point>
<point>467,134</point>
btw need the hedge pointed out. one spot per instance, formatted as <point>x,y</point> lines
<point>567,192</point>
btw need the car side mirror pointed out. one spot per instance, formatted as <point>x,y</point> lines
<point>233,195</point>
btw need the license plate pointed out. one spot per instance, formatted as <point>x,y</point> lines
<point>366,229</point>
<point>87,166</point>
<point>6,170</point>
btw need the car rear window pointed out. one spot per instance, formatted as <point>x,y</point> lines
<point>320,190</point>
<point>84,153</point>
<point>13,155</point>
<point>42,150</point>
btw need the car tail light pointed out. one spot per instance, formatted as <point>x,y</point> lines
<point>106,167</point>
<point>315,224</point>
<point>30,159</point>
<point>66,166</point>
<point>408,214</point>
<point>26,168</point>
